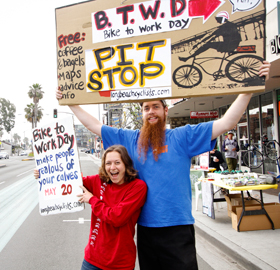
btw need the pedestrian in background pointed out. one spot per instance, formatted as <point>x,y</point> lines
<point>230,147</point>
<point>216,159</point>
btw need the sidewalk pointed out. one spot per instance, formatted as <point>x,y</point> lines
<point>95,159</point>
<point>251,249</point>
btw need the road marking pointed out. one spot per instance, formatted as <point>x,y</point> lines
<point>17,201</point>
<point>80,220</point>
<point>2,183</point>
<point>25,172</point>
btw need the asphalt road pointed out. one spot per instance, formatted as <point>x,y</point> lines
<point>14,170</point>
<point>31,241</point>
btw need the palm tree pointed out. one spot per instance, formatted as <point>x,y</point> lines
<point>35,92</point>
<point>30,114</point>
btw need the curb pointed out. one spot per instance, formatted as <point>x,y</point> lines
<point>2,165</point>
<point>234,251</point>
<point>27,159</point>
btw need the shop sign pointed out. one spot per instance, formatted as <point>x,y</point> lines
<point>275,45</point>
<point>204,114</point>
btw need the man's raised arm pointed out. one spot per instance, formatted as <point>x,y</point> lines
<point>236,110</point>
<point>232,115</point>
<point>89,121</point>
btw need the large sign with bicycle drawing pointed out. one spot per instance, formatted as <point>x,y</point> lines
<point>127,51</point>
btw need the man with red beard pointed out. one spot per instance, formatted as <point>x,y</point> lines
<point>152,133</point>
<point>165,232</point>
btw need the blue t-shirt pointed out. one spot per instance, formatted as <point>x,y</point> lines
<point>169,197</point>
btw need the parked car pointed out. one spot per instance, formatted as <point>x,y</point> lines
<point>23,153</point>
<point>87,151</point>
<point>4,155</point>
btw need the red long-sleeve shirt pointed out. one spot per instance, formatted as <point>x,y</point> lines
<point>115,210</point>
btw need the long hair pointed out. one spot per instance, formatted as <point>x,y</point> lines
<point>130,172</point>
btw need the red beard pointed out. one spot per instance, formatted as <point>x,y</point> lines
<point>151,135</point>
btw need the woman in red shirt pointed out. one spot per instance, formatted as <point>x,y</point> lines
<point>116,197</point>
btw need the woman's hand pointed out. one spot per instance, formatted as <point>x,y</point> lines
<point>85,197</point>
<point>36,173</point>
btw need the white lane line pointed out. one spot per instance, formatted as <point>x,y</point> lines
<point>25,172</point>
<point>2,183</point>
<point>80,220</point>
<point>22,199</point>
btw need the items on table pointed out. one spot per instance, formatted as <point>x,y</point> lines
<point>239,178</point>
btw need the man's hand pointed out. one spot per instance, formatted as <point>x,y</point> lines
<point>264,69</point>
<point>85,197</point>
<point>58,93</point>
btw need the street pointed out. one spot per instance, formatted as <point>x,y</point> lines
<point>14,170</point>
<point>29,240</point>
<point>56,242</point>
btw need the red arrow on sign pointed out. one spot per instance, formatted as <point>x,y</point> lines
<point>205,8</point>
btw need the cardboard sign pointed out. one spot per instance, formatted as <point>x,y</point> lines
<point>130,51</point>
<point>56,157</point>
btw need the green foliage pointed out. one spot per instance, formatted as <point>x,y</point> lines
<point>35,92</point>
<point>26,141</point>
<point>130,116</point>
<point>133,116</point>
<point>7,115</point>
<point>16,138</point>
<point>30,113</point>
<point>33,112</point>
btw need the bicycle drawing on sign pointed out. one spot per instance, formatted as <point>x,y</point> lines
<point>237,63</point>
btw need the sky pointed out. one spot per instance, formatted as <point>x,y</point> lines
<point>28,56</point>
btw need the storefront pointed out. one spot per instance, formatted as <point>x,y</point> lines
<point>261,118</point>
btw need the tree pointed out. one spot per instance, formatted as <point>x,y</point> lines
<point>7,115</point>
<point>30,114</point>
<point>35,92</point>
<point>132,116</point>
<point>16,138</point>
<point>26,142</point>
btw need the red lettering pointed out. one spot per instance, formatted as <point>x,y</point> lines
<point>70,39</point>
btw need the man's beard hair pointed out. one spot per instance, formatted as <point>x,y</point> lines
<point>151,135</point>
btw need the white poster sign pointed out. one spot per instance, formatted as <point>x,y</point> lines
<point>129,66</point>
<point>207,199</point>
<point>56,157</point>
<point>204,161</point>
<point>149,17</point>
